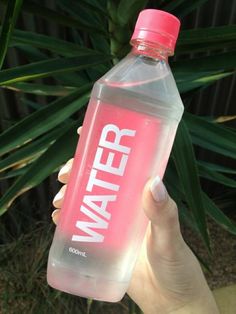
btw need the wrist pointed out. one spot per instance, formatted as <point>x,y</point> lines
<point>204,305</point>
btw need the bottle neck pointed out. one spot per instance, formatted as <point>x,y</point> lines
<point>151,50</point>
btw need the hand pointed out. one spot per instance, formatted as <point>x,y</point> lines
<point>167,277</point>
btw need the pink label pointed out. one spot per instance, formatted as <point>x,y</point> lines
<point>113,160</point>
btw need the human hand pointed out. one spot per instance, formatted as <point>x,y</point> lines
<point>167,277</point>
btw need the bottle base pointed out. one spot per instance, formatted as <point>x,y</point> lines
<point>85,286</point>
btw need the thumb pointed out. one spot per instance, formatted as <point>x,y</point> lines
<point>162,212</point>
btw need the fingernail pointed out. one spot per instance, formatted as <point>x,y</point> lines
<point>55,215</point>
<point>158,190</point>
<point>64,170</point>
<point>58,197</point>
<point>79,130</point>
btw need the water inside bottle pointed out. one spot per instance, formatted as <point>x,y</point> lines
<point>91,268</point>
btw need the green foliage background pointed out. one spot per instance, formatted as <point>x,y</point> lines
<point>64,69</point>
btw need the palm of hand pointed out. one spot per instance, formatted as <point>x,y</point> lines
<point>166,276</point>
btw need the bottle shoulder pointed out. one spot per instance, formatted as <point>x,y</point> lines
<point>141,80</point>
<point>136,70</point>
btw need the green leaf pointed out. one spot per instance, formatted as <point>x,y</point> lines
<point>175,190</point>
<point>172,181</point>
<point>186,166</point>
<point>100,43</point>
<point>24,154</point>
<point>215,213</point>
<point>202,39</point>
<point>215,176</point>
<point>31,53</point>
<point>42,120</point>
<point>188,82</point>
<point>31,104</point>
<point>49,67</point>
<point>172,5</point>
<point>210,135</point>
<point>127,10</point>
<point>12,12</point>
<point>74,79</point>
<point>95,5</point>
<point>57,17</point>
<point>186,217</point>
<point>56,154</point>
<point>183,7</point>
<point>207,65</point>
<point>59,46</point>
<point>215,167</point>
<point>188,6</point>
<point>84,13</point>
<point>198,72</point>
<point>226,200</point>
<point>14,173</point>
<point>40,89</point>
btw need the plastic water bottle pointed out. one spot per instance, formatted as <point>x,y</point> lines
<point>127,135</point>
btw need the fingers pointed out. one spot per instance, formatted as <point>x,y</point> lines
<point>58,199</point>
<point>57,202</point>
<point>163,214</point>
<point>159,207</point>
<point>64,173</point>
<point>79,130</point>
<point>55,216</point>
<point>63,177</point>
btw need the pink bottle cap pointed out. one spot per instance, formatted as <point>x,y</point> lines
<point>156,26</point>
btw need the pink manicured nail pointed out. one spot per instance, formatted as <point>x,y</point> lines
<point>158,190</point>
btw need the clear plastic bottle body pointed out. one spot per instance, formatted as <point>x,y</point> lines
<point>127,135</point>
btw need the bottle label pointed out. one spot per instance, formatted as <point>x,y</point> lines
<point>96,206</point>
<point>115,156</point>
